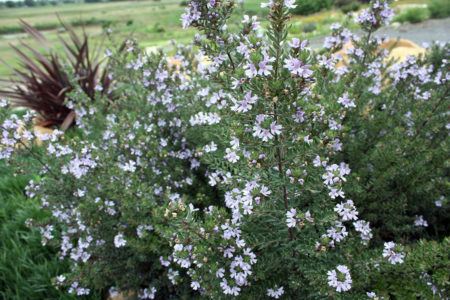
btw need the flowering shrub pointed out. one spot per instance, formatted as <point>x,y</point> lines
<point>396,140</point>
<point>102,184</point>
<point>277,139</point>
<point>423,272</point>
<point>231,177</point>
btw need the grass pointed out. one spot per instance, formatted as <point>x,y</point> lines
<point>144,15</point>
<point>153,23</point>
<point>26,267</point>
<point>413,15</point>
<point>439,8</point>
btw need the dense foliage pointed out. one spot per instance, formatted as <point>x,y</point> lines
<point>26,268</point>
<point>251,168</point>
<point>439,8</point>
<point>397,143</point>
<point>307,7</point>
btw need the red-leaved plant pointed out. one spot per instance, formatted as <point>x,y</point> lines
<point>42,82</point>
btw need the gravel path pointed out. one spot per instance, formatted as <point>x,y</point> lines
<point>425,32</point>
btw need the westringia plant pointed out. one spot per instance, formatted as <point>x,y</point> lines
<point>397,140</point>
<point>273,121</point>
<point>227,179</point>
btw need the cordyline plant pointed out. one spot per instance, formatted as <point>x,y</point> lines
<point>43,81</point>
<point>225,179</point>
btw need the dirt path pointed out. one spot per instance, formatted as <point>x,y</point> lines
<point>425,32</point>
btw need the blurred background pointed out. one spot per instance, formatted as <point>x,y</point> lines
<point>156,22</point>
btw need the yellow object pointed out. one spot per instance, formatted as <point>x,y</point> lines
<point>40,129</point>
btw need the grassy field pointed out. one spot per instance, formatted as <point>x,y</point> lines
<point>153,23</point>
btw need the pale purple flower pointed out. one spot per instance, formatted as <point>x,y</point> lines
<point>147,293</point>
<point>264,68</point>
<point>420,221</point>
<point>275,129</point>
<point>275,292</point>
<point>290,3</point>
<point>392,256</point>
<point>3,102</point>
<point>295,43</point>
<point>347,211</point>
<point>231,155</point>
<point>268,4</point>
<point>371,295</point>
<point>346,101</point>
<point>251,70</point>
<point>364,228</point>
<point>291,217</point>
<point>334,193</point>
<point>253,21</point>
<point>297,68</point>
<point>220,273</point>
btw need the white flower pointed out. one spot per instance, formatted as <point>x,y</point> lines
<point>364,228</point>
<point>291,217</point>
<point>392,256</point>
<point>195,285</point>
<point>148,293</point>
<point>290,3</point>
<point>141,230</point>
<point>346,101</point>
<point>420,222</point>
<point>231,156</point>
<point>113,291</point>
<point>268,4</point>
<point>342,280</point>
<point>220,273</point>
<point>275,293</point>
<point>3,102</point>
<point>275,129</point>
<point>119,241</point>
<point>130,166</point>
<point>347,211</point>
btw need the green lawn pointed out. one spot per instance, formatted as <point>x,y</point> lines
<point>153,23</point>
